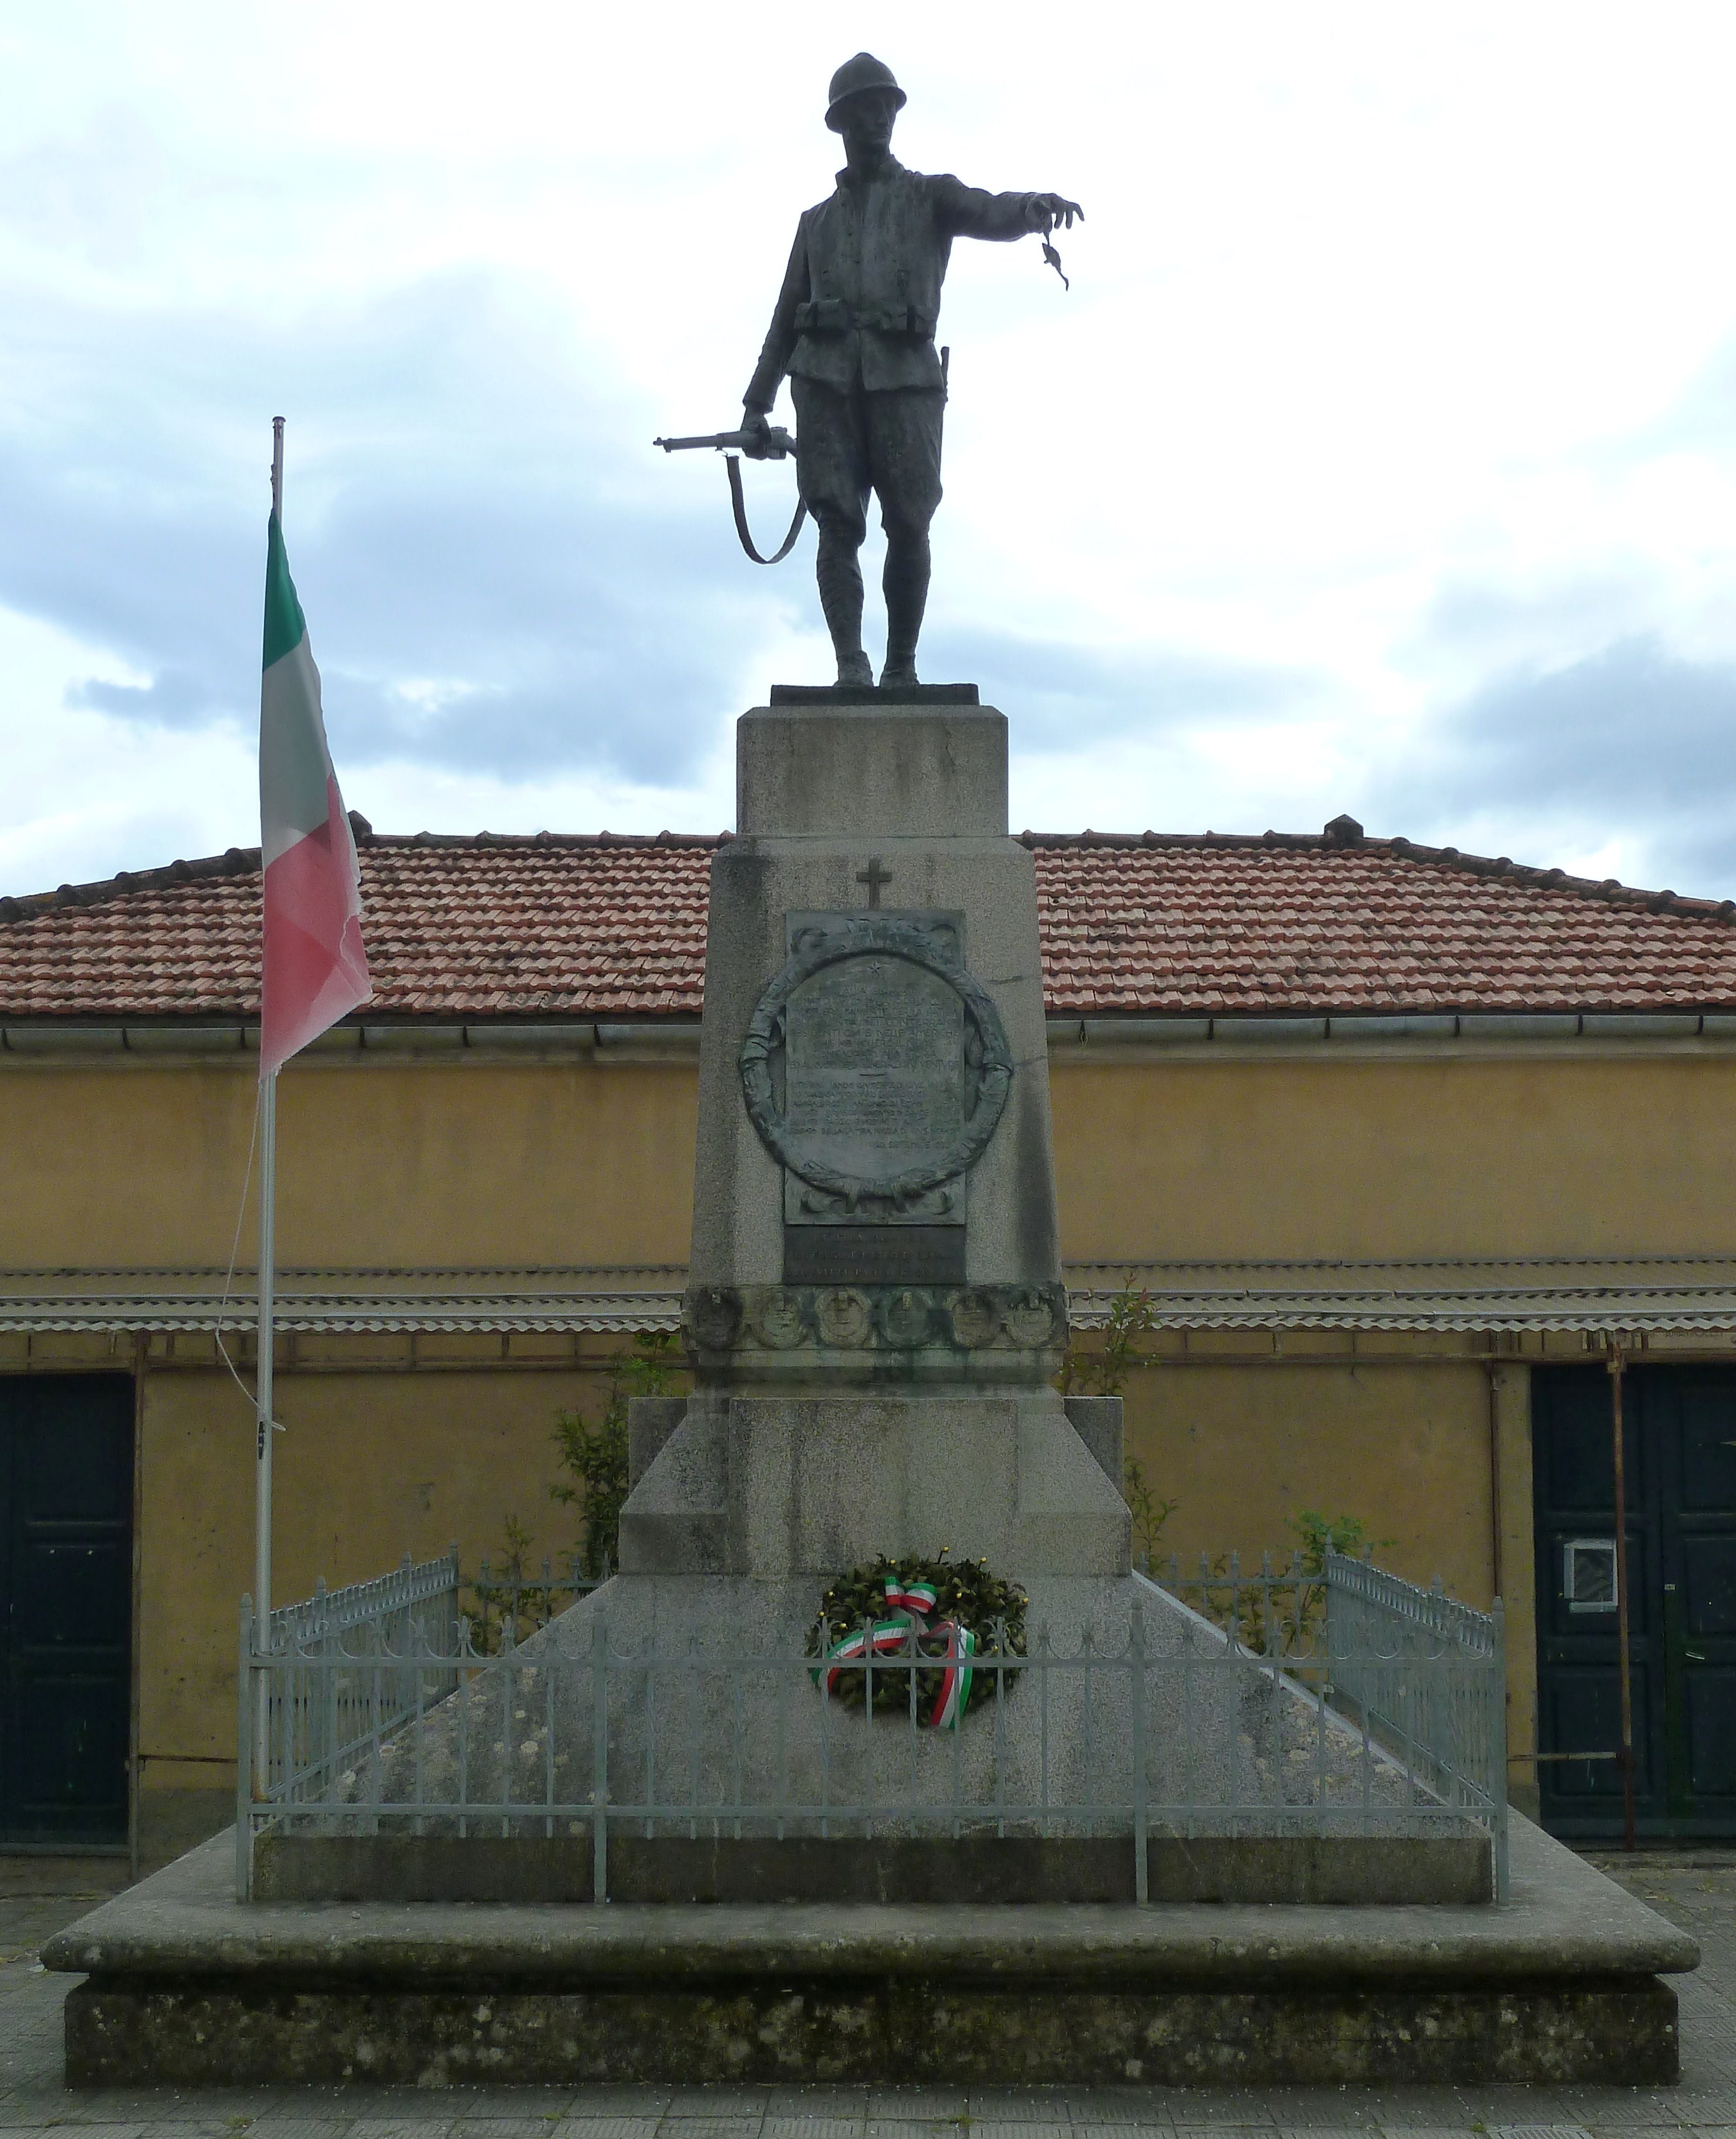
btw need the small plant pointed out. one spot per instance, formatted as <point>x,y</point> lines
<point>1103,1370</point>
<point>1317,1534</point>
<point>1147,1507</point>
<point>1285,1610</point>
<point>519,1542</point>
<point>595,1455</point>
<point>504,1598</point>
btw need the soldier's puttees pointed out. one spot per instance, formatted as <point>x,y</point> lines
<point>855,329</point>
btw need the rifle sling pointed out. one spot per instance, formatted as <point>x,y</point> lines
<point>739,506</point>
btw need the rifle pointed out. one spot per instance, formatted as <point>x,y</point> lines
<point>774,444</point>
<point>775,440</point>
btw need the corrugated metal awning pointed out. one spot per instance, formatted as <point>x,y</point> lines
<point>1658,1294</point>
<point>645,1296</point>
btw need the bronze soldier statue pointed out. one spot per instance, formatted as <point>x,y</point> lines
<point>855,329</point>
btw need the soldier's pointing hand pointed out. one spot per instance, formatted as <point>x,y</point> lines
<point>1043,211</point>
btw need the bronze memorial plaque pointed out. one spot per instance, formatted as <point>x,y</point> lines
<point>875,1070</point>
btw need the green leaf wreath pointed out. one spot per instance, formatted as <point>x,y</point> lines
<point>919,1630</point>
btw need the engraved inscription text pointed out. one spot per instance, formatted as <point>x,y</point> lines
<point>874,1064</point>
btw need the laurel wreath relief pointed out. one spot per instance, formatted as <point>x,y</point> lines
<point>987,1054</point>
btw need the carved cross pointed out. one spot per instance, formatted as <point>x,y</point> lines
<point>873,876</point>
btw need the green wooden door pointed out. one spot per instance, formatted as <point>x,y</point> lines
<point>1680,1457</point>
<point>66,1608</point>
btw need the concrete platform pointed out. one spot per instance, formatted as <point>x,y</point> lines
<point>188,1987</point>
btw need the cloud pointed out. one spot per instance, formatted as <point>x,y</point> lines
<point>85,794</point>
<point>1633,726</point>
<point>1524,627</point>
<point>485,584</point>
<point>174,698</point>
<point>1063,692</point>
<point>1633,745</point>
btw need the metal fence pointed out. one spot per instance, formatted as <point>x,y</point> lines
<point>325,1681</point>
<point>1449,1727</point>
<point>1345,1703</point>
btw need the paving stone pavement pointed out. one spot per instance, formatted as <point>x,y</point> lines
<point>1694,1889</point>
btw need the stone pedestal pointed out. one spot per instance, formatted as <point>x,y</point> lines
<point>876,1312</point>
<point>799,1485</point>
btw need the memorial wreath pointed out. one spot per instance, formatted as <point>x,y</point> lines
<point>920,1630</point>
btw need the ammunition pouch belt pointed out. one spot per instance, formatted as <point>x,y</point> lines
<point>834,316</point>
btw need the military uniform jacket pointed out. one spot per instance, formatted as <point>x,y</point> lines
<point>861,295</point>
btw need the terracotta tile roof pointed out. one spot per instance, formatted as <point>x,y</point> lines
<point>1219,924</point>
<point>490,926</point>
<point>1159,923</point>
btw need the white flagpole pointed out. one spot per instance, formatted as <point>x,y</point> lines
<point>267,1257</point>
<point>267,1223</point>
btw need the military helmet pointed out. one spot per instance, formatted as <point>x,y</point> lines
<point>862,73</point>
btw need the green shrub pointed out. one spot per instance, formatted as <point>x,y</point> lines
<point>594,1454</point>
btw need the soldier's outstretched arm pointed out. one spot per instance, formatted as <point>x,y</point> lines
<point>963,211</point>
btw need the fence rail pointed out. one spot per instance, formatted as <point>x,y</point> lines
<point>1349,1702</point>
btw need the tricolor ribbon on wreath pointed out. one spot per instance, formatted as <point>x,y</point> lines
<point>914,1601</point>
<point>957,1679</point>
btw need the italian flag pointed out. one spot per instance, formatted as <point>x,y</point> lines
<point>314,966</point>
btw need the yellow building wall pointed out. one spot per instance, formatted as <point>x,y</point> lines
<point>487,1163</point>
<point>422,1164</point>
<point>1308,1158</point>
<point>1243,1447</point>
<point>1432,1453</point>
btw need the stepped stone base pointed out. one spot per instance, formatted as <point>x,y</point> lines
<point>874,2031</point>
<point>186,1987</point>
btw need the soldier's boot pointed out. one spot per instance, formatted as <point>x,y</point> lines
<point>838,569</point>
<point>906,582</point>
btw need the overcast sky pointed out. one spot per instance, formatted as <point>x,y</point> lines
<point>1382,457</point>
